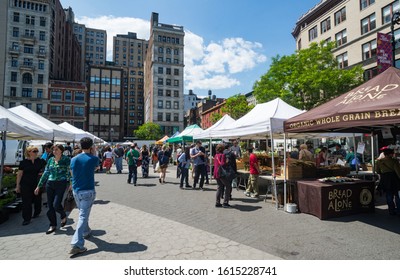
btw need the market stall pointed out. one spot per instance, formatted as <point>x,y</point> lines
<point>370,107</point>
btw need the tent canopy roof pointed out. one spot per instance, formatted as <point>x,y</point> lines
<point>224,123</point>
<point>162,140</point>
<point>372,105</point>
<point>187,134</point>
<point>59,133</point>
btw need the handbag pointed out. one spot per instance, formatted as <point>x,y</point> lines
<point>69,202</point>
<point>225,171</point>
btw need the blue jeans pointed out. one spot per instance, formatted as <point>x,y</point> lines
<point>55,192</point>
<point>184,176</point>
<point>84,201</point>
<point>132,173</point>
<point>394,206</point>
<point>118,163</point>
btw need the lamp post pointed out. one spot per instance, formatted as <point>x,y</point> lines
<point>395,20</point>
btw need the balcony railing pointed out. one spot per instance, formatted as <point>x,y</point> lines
<point>14,50</point>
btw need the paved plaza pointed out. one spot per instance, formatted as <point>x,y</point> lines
<point>162,222</point>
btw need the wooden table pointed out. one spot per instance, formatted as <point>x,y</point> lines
<point>327,200</point>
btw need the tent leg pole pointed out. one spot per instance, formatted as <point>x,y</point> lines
<point>273,170</point>
<point>284,165</point>
<point>3,156</point>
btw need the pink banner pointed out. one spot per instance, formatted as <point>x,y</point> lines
<point>384,52</point>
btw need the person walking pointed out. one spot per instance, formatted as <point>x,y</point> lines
<point>27,179</point>
<point>184,162</point>
<point>389,170</point>
<point>163,159</point>
<point>118,153</point>
<point>57,176</point>
<point>224,184</point>
<point>145,157</point>
<point>48,151</point>
<point>252,184</point>
<point>83,167</point>
<point>132,156</point>
<point>107,159</point>
<point>154,158</point>
<point>199,163</point>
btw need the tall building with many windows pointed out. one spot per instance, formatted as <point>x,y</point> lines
<point>353,25</point>
<point>28,34</point>
<point>164,66</point>
<point>129,53</point>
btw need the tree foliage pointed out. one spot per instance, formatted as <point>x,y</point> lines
<point>215,117</point>
<point>307,78</point>
<point>149,131</point>
<point>236,106</point>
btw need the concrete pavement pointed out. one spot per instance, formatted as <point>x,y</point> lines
<point>153,221</point>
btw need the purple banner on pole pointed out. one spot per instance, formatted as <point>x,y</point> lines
<point>384,52</point>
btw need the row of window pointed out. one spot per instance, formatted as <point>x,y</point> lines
<point>30,6</point>
<point>91,41</point>
<point>160,117</point>
<point>132,107</point>
<point>132,44</point>
<point>91,48</point>
<point>29,33</point>
<point>96,56</point>
<point>92,33</point>
<point>27,62</point>
<point>160,105</point>
<point>133,100</point>
<point>167,39</point>
<point>103,110</point>
<point>27,78</point>
<point>167,82</point>
<point>367,24</point>
<point>105,94</point>
<point>105,80</point>
<point>167,60</point>
<point>39,107</point>
<point>131,64</point>
<point>29,20</point>
<point>168,93</point>
<point>132,93</point>
<point>75,111</point>
<point>131,57</point>
<point>26,92</point>
<point>131,50</point>
<point>133,72</point>
<point>168,71</point>
<point>168,50</point>
<point>78,96</point>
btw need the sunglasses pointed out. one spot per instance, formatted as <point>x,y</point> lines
<point>35,151</point>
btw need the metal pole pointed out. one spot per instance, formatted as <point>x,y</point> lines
<point>284,170</point>
<point>3,156</point>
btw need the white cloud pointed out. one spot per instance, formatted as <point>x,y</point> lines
<point>209,66</point>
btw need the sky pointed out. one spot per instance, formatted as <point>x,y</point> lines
<point>228,43</point>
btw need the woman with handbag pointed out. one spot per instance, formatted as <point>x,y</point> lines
<point>221,174</point>
<point>145,161</point>
<point>57,176</point>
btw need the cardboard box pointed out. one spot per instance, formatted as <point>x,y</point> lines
<point>294,172</point>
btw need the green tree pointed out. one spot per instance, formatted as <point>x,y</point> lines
<point>236,106</point>
<point>215,117</point>
<point>149,131</point>
<point>307,78</point>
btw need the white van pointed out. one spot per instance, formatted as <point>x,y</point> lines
<point>13,152</point>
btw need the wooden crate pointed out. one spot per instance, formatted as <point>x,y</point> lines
<point>294,172</point>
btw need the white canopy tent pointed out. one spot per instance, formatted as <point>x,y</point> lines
<point>224,123</point>
<point>59,133</point>
<point>80,133</point>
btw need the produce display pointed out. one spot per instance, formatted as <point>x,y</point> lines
<point>337,179</point>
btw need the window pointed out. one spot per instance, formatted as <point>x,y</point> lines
<point>369,49</point>
<point>168,93</point>
<point>27,78</point>
<point>176,61</point>
<point>176,83</point>
<point>168,117</point>
<point>56,95</point>
<point>160,92</point>
<point>368,24</point>
<point>40,79</point>
<point>340,16</point>
<point>42,35</point>
<point>176,105</point>
<point>176,93</point>
<point>27,105</point>
<point>16,17</point>
<point>176,117</point>
<point>13,91</point>
<point>39,93</point>
<point>341,37</point>
<point>370,73</point>
<point>168,51</point>
<point>39,108</point>
<point>168,104</point>
<point>176,72</point>
<point>15,46</point>
<point>30,20</point>
<point>160,59</point>
<point>26,92</point>
<point>160,70</point>
<point>342,60</point>
<point>79,111</point>
<point>168,60</point>
<point>43,22</point>
<point>168,82</point>
<point>389,10</point>
<point>365,3</point>
<point>168,71</point>
<point>397,38</point>
<point>325,25</point>
<point>176,51</point>
<point>160,104</point>
<point>160,117</point>
<point>312,33</point>
<point>14,61</point>
<point>67,111</point>
<point>15,32</point>
<point>28,48</point>
<point>55,110</point>
<point>160,50</point>
<point>41,64</point>
<point>160,81</point>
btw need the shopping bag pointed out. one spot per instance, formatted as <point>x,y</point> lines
<point>158,169</point>
<point>69,202</point>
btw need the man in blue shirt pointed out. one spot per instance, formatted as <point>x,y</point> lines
<point>198,157</point>
<point>83,167</point>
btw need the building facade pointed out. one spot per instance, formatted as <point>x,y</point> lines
<point>207,116</point>
<point>164,66</point>
<point>129,53</point>
<point>353,25</point>
<point>29,40</point>
<point>105,103</point>
<point>68,103</point>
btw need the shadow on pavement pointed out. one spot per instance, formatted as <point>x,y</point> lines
<point>246,208</point>
<point>101,202</point>
<point>146,185</point>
